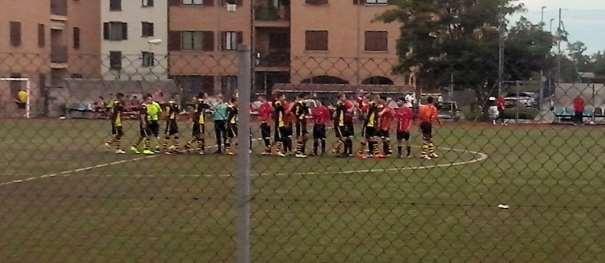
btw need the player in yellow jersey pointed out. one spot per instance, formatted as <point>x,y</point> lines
<point>117,131</point>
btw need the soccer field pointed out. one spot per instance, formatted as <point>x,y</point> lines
<point>64,198</point>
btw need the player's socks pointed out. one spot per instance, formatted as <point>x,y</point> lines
<point>323,146</point>
<point>399,151</point>
<point>409,151</point>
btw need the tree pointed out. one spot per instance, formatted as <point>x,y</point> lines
<point>461,37</point>
<point>598,63</point>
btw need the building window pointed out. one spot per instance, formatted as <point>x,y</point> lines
<point>76,76</point>
<point>194,2</point>
<point>147,3</point>
<point>76,38</point>
<point>147,29</point>
<point>41,35</point>
<point>148,59</point>
<point>376,41</point>
<point>15,85</point>
<point>197,40</point>
<point>115,60</point>
<point>229,86</point>
<point>316,40</point>
<point>316,2</point>
<point>15,33</point>
<point>115,5</point>
<point>382,2</point>
<point>230,40</point>
<point>115,31</point>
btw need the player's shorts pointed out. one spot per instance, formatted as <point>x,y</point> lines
<point>403,135</point>
<point>384,134</point>
<point>232,130</point>
<point>282,133</point>
<point>171,128</point>
<point>427,130</point>
<point>144,132</point>
<point>319,131</point>
<point>198,130</point>
<point>265,131</point>
<point>154,128</point>
<point>21,105</point>
<point>370,132</point>
<point>289,131</point>
<point>117,130</point>
<point>344,131</point>
<point>301,128</point>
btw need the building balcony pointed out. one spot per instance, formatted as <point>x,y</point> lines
<point>270,16</point>
<point>58,56</point>
<point>273,61</point>
<point>58,9</point>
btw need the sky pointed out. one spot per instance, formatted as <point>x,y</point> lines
<point>583,19</point>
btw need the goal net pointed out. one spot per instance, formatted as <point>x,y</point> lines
<point>15,97</point>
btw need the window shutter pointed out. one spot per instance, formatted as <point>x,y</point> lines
<point>174,40</point>
<point>208,2</point>
<point>208,41</point>
<point>149,2</point>
<point>106,31</point>
<point>223,40</point>
<point>76,37</point>
<point>124,31</point>
<point>356,2</point>
<point>174,2</point>
<point>41,35</point>
<point>15,33</point>
<point>240,37</point>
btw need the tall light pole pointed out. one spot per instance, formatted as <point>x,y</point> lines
<point>500,52</point>
<point>542,17</point>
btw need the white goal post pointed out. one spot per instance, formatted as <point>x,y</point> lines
<point>27,89</point>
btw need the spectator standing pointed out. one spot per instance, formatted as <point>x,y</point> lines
<point>501,104</point>
<point>578,106</point>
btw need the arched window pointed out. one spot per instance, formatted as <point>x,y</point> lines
<point>324,80</point>
<point>377,80</point>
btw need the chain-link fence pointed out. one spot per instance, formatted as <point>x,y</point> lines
<point>348,163</point>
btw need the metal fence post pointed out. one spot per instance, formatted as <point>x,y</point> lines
<point>243,159</point>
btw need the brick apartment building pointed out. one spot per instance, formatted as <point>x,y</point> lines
<point>306,41</point>
<point>46,41</point>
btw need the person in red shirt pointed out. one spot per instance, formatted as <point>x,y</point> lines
<point>578,107</point>
<point>386,116</point>
<point>265,114</point>
<point>428,114</point>
<point>290,117</point>
<point>321,116</point>
<point>405,117</point>
<point>501,104</point>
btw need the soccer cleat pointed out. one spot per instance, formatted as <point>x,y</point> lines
<point>148,152</point>
<point>202,153</point>
<point>230,153</point>
<point>120,151</point>
<point>433,156</point>
<point>280,154</point>
<point>300,155</point>
<point>108,145</point>
<point>426,157</point>
<point>135,150</point>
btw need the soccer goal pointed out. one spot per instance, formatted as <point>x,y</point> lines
<point>11,93</point>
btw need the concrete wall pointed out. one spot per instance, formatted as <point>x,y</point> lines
<point>133,14</point>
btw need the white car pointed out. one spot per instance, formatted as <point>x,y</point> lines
<point>527,99</point>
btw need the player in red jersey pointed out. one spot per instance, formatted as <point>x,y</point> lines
<point>321,117</point>
<point>386,117</point>
<point>405,117</point>
<point>265,114</point>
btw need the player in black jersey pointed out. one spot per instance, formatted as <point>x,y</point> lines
<point>198,130</point>
<point>172,128</point>
<point>117,131</point>
<point>301,112</point>
<point>232,132</point>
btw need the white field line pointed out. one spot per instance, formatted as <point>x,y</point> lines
<point>480,157</point>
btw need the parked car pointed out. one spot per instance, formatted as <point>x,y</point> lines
<point>449,110</point>
<point>525,99</point>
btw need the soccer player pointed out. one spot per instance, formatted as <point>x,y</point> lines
<point>386,116</point>
<point>371,131</point>
<point>405,116</point>
<point>301,112</point>
<point>281,133</point>
<point>171,131</point>
<point>265,113</point>
<point>117,131</point>
<point>198,129</point>
<point>289,119</point>
<point>154,110</point>
<point>232,132</point>
<point>344,125</point>
<point>144,132</point>
<point>321,116</point>
<point>220,124</point>
<point>428,114</point>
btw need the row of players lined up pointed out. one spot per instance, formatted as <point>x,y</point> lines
<point>289,122</point>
